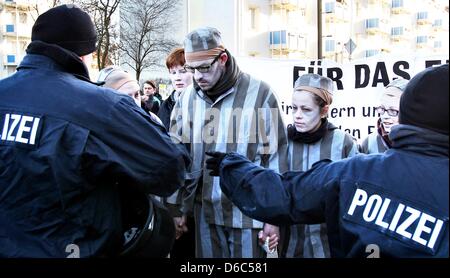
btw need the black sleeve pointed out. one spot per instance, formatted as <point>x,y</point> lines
<point>263,194</point>
<point>134,150</point>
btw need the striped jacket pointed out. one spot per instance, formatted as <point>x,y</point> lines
<point>373,144</point>
<point>311,241</point>
<point>246,119</point>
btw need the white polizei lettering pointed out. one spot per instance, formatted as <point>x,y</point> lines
<point>34,130</point>
<point>5,127</point>
<point>396,217</point>
<point>408,221</point>
<point>421,228</point>
<point>435,234</point>
<point>382,213</point>
<point>359,199</point>
<point>16,119</point>
<point>374,202</point>
<point>23,128</point>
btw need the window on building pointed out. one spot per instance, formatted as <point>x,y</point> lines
<point>437,23</point>
<point>372,23</point>
<point>372,52</point>
<point>397,4</point>
<point>9,28</point>
<point>278,37</point>
<point>421,39</point>
<point>438,44</point>
<point>292,41</point>
<point>329,46</point>
<point>396,31</point>
<point>253,18</point>
<point>329,7</point>
<point>422,15</point>
<point>11,59</point>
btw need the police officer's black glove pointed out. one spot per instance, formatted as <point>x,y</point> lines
<point>213,163</point>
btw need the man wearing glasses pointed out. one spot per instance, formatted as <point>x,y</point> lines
<point>224,110</point>
<point>389,107</point>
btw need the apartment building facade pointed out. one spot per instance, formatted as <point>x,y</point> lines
<point>16,21</point>
<point>338,30</point>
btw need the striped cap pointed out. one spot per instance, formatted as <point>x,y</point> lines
<point>316,84</point>
<point>201,39</point>
<point>316,81</point>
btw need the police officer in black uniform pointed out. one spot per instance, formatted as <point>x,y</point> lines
<point>393,204</point>
<point>68,147</point>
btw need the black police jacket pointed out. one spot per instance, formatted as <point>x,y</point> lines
<point>66,147</point>
<point>393,204</point>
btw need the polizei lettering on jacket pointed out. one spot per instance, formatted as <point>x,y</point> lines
<point>396,218</point>
<point>18,128</point>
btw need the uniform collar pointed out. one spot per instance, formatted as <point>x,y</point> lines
<point>420,140</point>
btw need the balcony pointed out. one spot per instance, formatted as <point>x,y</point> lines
<point>21,5</point>
<point>378,2</point>
<point>283,42</point>
<point>375,30</point>
<point>290,5</point>
<point>336,14</point>
<point>399,37</point>
<point>423,21</point>
<point>400,10</point>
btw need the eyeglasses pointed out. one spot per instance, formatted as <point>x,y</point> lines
<point>203,69</point>
<point>391,112</point>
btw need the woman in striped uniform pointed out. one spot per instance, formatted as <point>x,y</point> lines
<point>389,104</point>
<point>312,138</point>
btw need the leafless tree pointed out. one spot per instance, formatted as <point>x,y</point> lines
<point>36,8</point>
<point>144,35</point>
<point>102,13</point>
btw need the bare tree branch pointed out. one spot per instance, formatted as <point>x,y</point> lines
<point>102,12</point>
<point>145,25</point>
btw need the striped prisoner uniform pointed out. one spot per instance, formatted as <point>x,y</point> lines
<point>237,125</point>
<point>373,144</point>
<point>311,241</point>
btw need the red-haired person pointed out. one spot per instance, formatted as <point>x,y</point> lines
<point>180,78</point>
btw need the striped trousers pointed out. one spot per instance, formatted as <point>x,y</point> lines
<point>215,241</point>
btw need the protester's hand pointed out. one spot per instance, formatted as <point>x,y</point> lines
<point>213,163</point>
<point>180,226</point>
<point>271,232</point>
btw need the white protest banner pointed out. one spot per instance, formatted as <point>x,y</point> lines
<point>358,84</point>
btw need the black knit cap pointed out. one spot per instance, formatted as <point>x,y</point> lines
<point>424,103</point>
<point>67,26</point>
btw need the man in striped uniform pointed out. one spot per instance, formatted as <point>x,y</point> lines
<point>224,110</point>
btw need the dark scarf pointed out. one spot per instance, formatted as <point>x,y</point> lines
<point>384,135</point>
<point>226,81</point>
<point>309,138</point>
<point>70,61</point>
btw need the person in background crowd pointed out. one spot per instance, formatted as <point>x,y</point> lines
<point>312,138</point>
<point>151,100</point>
<point>392,204</point>
<point>224,110</point>
<point>68,145</point>
<point>116,78</point>
<point>184,246</point>
<point>180,79</point>
<point>389,102</point>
